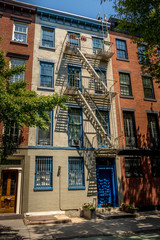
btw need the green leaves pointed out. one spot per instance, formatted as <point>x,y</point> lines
<point>21,107</point>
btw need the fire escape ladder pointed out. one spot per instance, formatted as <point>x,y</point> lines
<point>92,72</point>
<point>93,118</point>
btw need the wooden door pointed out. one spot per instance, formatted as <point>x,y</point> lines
<point>8,191</point>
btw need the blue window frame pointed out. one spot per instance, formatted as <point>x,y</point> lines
<point>148,87</point>
<point>43,173</point>
<point>44,137</point>
<point>17,62</point>
<point>103,117</point>
<point>74,76</point>
<point>74,39</point>
<point>47,37</point>
<point>121,49</point>
<point>76,173</point>
<point>46,75</point>
<point>97,44</point>
<point>125,84</point>
<point>102,75</point>
<point>75,127</point>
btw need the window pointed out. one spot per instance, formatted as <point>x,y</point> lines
<point>46,75</point>
<point>75,127</point>
<point>74,76</point>
<point>43,173</point>
<point>103,117</point>
<point>20,32</point>
<point>155,162</point>
<point>121,49</point>
<point>153,129</point>
<point>47,37</point>
<point>17,62</point>
<point>148,87</point>
<point>45,136</point>
<point>133,167</point>
<point>74,39</point>
<point>159,53</point>
<point>125,84</point>
<point>12,130</point>
<point>76,173</point>
<point>102,75</point>
<point>129,129</point>
<point>97,44</point>
<point>141,53</point>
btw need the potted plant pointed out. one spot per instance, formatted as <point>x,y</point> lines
<point>131,209</point>
<point>88,211</point>
<point>122,206</point>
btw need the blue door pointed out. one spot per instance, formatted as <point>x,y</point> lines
<point>106,183</point>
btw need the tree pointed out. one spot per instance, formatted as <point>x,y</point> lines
<point>21,107</point>
<point>141,19</point>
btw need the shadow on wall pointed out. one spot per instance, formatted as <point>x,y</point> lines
<point>141,191</point>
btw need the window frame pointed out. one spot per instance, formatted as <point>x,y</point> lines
<point>40,71</point>
<point>134,145</point>
<point>49,29</point>
<point>44,187</point>
<point>51,132</point>
<point>121,50</point>
<point>76,186</point>
<point>95,48</point>
<point>79,124</point>
<point>155,167</point>
<point>78,40</point>
<point>97,90</point>
<point>17,76</point>
<point>145,87</point>
<point>26,34</point>
<point>80,78</point>
<point>107,119</point>
<point>141,54</point>
<point>134,161</point>
<point>128,85</point>
<point>154,142</point>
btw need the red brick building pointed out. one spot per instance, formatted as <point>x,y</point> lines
<point>139,98</point>
<point>17,23</point>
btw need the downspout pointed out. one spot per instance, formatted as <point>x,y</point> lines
<point>60,205</point>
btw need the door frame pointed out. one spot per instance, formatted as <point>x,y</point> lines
<point>19,191</point>
<point>112,167</point>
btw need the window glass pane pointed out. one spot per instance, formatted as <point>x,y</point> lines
<point>121,49</point>
<point>133,167</point>
<point>46,77</point>
<point>148,87</point>
<point>103,118</point>
<point>74,39</point>
<point>44,136</point>
<point>20,32</point>
<point>17,62</point>
<point>125,84</point>
<point>97,44</point>
<point>47,37</point>
<point>43,172</point>
<point>76,172</point>
<point>153,130</point>
<point>129,129</point>
<point>75,125</point>
<point>74,76</point>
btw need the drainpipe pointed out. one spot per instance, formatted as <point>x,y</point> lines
<point>59,175</point>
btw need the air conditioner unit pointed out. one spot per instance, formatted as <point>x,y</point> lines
<point>75,143</point>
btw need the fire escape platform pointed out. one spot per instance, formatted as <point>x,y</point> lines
<point>106,152</point>
<point>70,90</point>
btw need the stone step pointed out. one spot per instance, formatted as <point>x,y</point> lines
<point>10,216</point>
<point>54,219</point>
<point>118,215</point>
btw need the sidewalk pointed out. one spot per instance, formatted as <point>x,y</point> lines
<point>15,229</point>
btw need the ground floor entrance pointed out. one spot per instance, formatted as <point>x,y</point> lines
<point>106,182</point>
<point>8,191</point>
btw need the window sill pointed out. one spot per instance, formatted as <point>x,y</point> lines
<point>48,48</point>
<point>150,99</point>
<point>77,188</point>
<point>16,42</point>
<point>43,189</point>
<point>45,89</point>
<point>129,97</point>
<point>123,59</point>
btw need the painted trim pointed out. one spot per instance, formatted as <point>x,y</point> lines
<point>149,111</point>
<point>49,28</point>
<point>46,60</point>
<point>16,55</point>
<point>43,189</point>
<point>61,148</point>
<point>120,38</point>
<point>123,71</point>
<point>150,99</point>
<point>128,109</point>
<point>20,19</point>
<point>76,188</point>
<point>40,62</point>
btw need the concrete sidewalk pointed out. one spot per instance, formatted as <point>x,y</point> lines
<point>15,229</point>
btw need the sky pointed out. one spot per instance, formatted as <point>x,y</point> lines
<point>87,8</point>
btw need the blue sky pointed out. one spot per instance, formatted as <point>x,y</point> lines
<point>87,8</point>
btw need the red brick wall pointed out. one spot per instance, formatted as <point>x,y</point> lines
<point>6,31</point>
<point>146,190</point>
